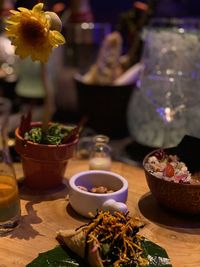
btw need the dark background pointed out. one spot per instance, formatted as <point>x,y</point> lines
<point>109,10</point>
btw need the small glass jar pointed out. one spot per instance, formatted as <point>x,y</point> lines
<point>100,155</point>
<point>83,147</point>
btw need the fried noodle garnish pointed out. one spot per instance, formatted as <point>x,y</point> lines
<point>116,236</point>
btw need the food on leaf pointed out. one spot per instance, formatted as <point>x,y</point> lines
<point>109,239</point>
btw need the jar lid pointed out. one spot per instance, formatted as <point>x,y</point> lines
<point>101,139</point>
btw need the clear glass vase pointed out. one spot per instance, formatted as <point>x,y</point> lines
<point>161,109</point>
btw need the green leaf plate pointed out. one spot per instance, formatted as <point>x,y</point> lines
<point>63,257</point>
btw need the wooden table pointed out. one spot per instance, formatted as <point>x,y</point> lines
<point>44,214</point>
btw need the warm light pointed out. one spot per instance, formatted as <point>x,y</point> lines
<point>168,114</point>
<point>87,26</point>
<point>181,30</point>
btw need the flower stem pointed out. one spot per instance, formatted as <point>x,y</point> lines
<point>48,98</point>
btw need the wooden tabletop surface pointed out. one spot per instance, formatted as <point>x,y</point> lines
<point>44,214</point>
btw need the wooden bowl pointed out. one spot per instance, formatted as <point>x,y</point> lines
<point>177,197</point>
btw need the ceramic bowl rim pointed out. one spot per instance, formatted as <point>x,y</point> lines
<point>73,179</point>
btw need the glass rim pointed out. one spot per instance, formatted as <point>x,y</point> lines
<point>101,138</point>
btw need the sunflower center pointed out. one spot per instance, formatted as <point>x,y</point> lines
<point>32,31</point>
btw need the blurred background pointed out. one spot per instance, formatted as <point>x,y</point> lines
<point>100,72</point>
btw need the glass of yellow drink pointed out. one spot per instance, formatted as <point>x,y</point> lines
<point>9,203</point>
<point>10,211</point>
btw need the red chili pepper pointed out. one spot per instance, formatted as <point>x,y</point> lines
<point>169,170</point>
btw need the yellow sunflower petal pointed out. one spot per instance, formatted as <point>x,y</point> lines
<point>23,9</point>
<point>12,22</point>
<point>12,19</point>
<point>42,57</point>
<point>13,11</point>
<point>21,52</point>
<point>38,8</point>
<point>29,31</point>
<point>56,38</point>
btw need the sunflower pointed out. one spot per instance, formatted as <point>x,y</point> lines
<point>32,33</point>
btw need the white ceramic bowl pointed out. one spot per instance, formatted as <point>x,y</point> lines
<point>84,202</point>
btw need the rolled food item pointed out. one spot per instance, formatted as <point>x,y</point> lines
<point>76,241</point>
<point>108,239</point>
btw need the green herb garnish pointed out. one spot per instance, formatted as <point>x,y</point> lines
<point>54,135</point>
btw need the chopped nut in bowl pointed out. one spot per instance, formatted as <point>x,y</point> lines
<point>94,190</point>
